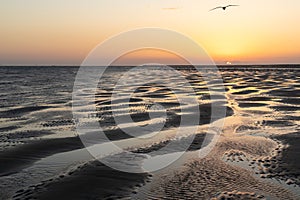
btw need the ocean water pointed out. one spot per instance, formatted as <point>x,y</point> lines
<point>42,156</point>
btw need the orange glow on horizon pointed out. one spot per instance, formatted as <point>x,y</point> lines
<point>150,56</point>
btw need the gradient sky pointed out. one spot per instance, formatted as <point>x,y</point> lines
<point>64,32</point>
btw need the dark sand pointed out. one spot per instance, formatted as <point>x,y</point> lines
<point>290,162</point>
<point>20,157</point>
<point>91,181</point>
<point>94,180</point>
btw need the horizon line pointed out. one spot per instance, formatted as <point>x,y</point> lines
<point>131,65</point>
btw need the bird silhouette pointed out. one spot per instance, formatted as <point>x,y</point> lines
<point>222,7</point>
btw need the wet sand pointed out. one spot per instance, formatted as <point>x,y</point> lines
<point>93,180</point>
<point>290,162</point>
<point>22,156</point>
<point>256,157</point>
<point>226,173</point>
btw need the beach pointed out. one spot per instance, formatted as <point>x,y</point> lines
<point>256,155</point>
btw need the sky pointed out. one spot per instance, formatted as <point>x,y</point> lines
<point>55,32</point>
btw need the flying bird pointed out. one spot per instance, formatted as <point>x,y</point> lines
<point>171,8</point>
<point>222,7</point>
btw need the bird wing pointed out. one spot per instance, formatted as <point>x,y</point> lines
<point>216,8</point>
<point>232,5</point>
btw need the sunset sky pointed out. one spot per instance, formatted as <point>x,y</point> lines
<point>63,32</point>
